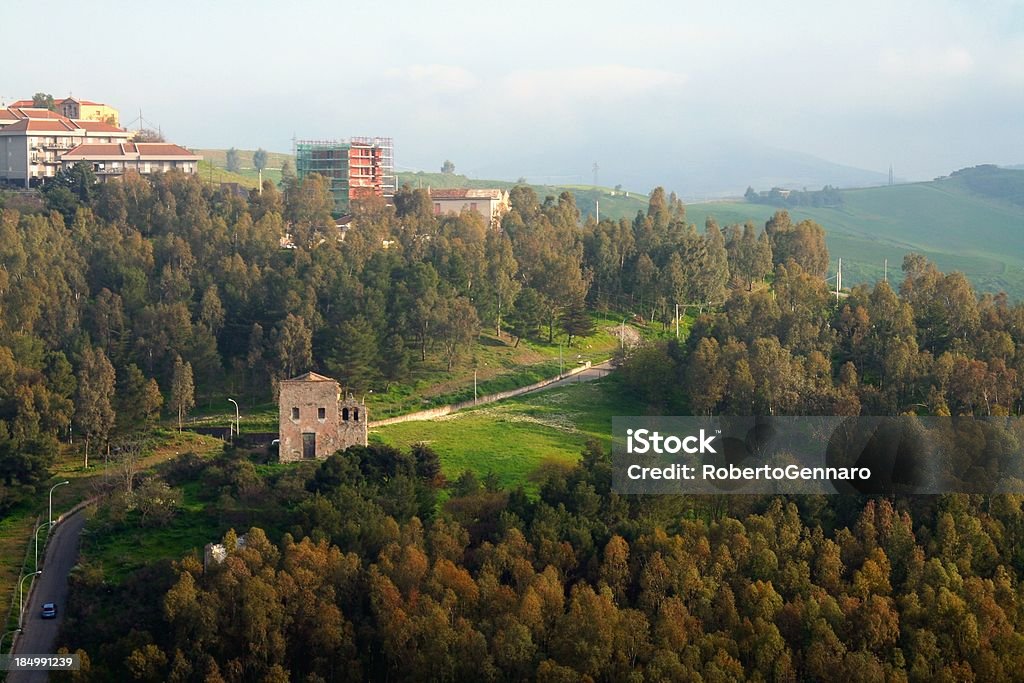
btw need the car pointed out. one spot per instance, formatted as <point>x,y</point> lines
<point>49,610</point>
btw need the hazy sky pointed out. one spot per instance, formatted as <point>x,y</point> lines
<point>928,86</point>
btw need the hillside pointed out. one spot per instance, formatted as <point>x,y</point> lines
<point>613,203</point>
<point>248,176</point>
<point>969,221</point>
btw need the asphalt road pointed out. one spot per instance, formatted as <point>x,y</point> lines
<point>40,635</point>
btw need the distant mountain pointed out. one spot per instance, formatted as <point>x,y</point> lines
<point>693,170</point>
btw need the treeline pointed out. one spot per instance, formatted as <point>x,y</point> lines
<point>126,301</point>
<point>826,196</point>
<point>933,348</point>
<point>367,582</point>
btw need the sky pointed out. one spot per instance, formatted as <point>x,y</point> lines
<point>544,90</point>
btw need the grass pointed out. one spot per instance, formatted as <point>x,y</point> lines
<point>16,526</point>
<point>130,546</point>
<point>218,158</point>
<point>515,438</point>
<point>499,364</point>
<point>946,220</point>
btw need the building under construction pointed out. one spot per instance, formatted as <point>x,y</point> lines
<point>356,168</point>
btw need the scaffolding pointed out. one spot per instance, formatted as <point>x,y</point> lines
<point>356,168</point>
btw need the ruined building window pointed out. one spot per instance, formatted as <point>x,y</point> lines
<point>295,413</point>
<point>321,413</point>
<point>355,412</point>
<point>344,414</point>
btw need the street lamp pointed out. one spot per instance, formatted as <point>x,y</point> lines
<point>21,596</point>
<point>237,431</point>
<point>37,542</point>
<point>16,630</point>
<point>51,498</point>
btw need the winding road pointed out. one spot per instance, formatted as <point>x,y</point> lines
<point>40,635</point>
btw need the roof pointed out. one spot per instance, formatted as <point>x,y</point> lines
<point>57,103</point>
<point>99,127</point>
<point>466,193</point>
<point>129,150</point>
<point>36,113</point>
<point>41,126</point>
<point>310,377</point>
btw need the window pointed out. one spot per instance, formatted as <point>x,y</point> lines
<point>321,413</point>
<point>344,414</point>
<point>295,413</point>
<point>472,206</point>
<point>355,412</point>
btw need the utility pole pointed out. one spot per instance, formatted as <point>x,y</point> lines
<point>885,271</point>
<point>597,210</point>
<point>474,385</point>
<point>677,321</point>
<point>559,360</point>
<point>839,279</point>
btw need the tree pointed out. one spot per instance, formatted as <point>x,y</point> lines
<point>44,100</point>
<point>95,414</point>
<point>447,167</point>
<point>355,354</point>
<point>459,328</point>
<point>294,345</point>
<point>259,159</point>
<point>232,161</point>
<point>576,321</point>
<point>149,135</point>
<point>182,389</point>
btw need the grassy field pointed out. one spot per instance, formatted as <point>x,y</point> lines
<point>248,175</point>
<point>957,228</point>
<point>515,438</point>
<point>499,364</point>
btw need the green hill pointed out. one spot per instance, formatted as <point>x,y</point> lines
<point>613,203</point>
<point>972,221</point>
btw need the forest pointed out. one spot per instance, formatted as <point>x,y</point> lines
<point>123,303</point>
<point>370,566</point>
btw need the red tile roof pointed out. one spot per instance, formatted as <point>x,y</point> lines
<point>98,127</point>
<point>37,113</point>
<point>40,126</point>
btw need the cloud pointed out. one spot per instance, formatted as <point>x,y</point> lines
<point>438,78</point>
<point>591,83</point>
<point>923,62</point>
